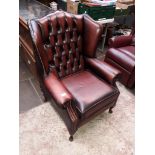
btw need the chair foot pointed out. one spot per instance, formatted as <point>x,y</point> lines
<point>71,138</point>
<point>110,111</point>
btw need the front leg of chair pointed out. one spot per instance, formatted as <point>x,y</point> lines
<point>74,120</point>
<point>110,110</point>
<point>71,138</point>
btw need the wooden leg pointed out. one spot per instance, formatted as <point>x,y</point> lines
<point>110,110</point>
<point>71,138</point>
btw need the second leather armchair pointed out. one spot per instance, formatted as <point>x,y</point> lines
<point>121,55</point>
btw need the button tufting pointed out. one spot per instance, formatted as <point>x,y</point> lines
<point>63,44</point>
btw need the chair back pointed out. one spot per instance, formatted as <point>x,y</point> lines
<point>59,43</point>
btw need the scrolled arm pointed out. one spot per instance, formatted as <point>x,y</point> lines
<point>57,90</point>
<point>104,70</point>
<point>120,41</point>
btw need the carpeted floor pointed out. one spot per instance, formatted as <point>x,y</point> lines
<point>42,132</point>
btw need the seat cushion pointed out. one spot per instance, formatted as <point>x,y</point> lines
<point>128,50</point>
<point>88,90</point>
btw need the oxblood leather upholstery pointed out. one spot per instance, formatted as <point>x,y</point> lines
<point>81,85</point>
<point>104,70</point>
<point>121,55</point>
<point>57,89</point>
<point>89,92</point>
<point>59,42</point>
<point>120,41</point>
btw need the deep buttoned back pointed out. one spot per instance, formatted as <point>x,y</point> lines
<point>58,38</point>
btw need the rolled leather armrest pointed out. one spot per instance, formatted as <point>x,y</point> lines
<point>106,71</point>
<point>120,41</point>
<point>57,90</point>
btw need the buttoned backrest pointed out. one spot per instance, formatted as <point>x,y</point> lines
<point>58,39</point>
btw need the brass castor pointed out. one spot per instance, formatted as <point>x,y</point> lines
<point>110,111</point>
<point>71,138</point>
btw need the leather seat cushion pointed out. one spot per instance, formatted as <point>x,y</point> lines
<point>128,50</point>
<point>88,91</point>
<point>122,56</point>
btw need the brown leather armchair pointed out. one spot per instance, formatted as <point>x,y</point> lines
<point>81,85</point>
<point>121,55</point>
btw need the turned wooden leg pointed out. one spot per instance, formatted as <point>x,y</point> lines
<point>71,138</point>
<point>110,110</point>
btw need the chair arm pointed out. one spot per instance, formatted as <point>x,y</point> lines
<point>57,90</point>
<point>106,71</point>
<point>120,41</point>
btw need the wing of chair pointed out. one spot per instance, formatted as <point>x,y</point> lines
<point>121,55</point>
<point>69,73</point>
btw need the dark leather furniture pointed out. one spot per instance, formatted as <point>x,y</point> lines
<point>81,85</point>
<point>121,55</point>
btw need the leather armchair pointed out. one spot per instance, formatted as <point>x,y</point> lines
<point>121,55</point>
<point>69,73</point>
